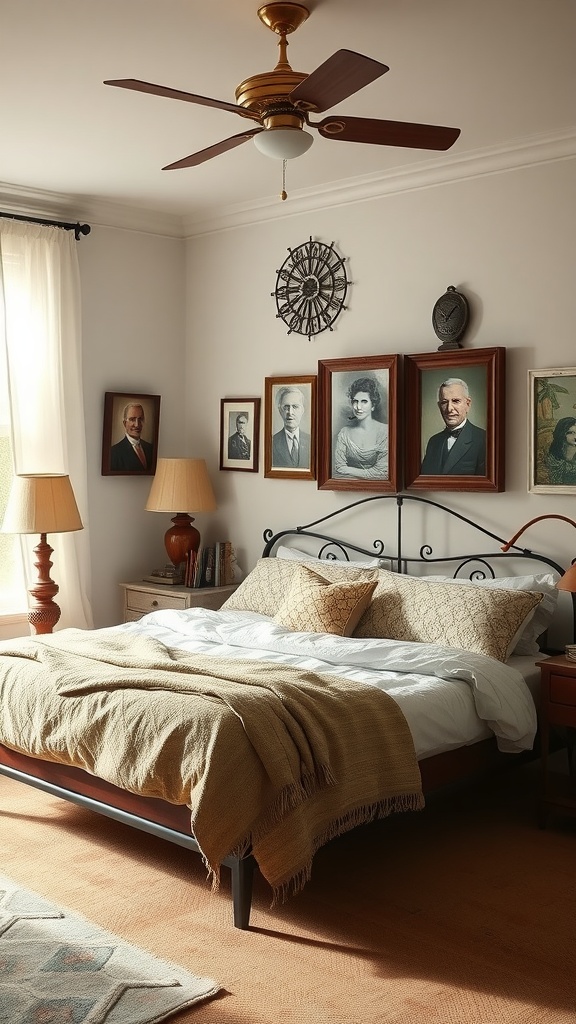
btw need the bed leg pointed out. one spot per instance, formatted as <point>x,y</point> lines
<point>242,875</point>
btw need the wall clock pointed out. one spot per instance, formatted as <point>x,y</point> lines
<point>311,287</point>
<point>450,317</point>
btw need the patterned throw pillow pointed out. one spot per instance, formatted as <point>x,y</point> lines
<point>264,589</point>
<point>314,606</point>
<point>541,583</point>
<point>474,619</point>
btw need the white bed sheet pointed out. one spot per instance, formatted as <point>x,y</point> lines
<point>450,698</point>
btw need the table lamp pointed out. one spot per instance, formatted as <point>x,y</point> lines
<point>42,503</point>
<point>181,484</point>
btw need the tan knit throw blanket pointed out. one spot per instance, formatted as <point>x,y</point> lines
<point>283,759</point>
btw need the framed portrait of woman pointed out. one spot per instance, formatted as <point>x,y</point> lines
<point>358,424</point>
<point>454,420</point>
<point>552,431</point>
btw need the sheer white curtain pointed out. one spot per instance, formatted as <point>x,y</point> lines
<point>41,335</point>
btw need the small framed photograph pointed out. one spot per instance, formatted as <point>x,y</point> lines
<point>130,434</point>
<point>358,424</point>
<point>454,420</point>
<point>239,434</point>
<point>552,431</point>
<point>290,428</point>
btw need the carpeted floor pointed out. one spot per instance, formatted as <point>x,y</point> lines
<point>464,913</point>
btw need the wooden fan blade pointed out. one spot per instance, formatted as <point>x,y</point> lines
<point>387,133</point>
<point>211,151</point>
<point>343,74</point>
<point>177,94</point>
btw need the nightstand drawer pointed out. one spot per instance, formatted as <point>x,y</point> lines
<point>143,602</point>
<point>562,690</point>
<point>141,598</point>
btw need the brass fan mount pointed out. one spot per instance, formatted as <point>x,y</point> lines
<point>266,94</point>
<point>283,18</point>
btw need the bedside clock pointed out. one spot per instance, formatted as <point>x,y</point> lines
<point>450,318</point>
<point>311,287</point>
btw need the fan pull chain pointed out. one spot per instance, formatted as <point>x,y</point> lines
<point>284,194</point>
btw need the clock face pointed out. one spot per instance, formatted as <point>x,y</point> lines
<point>311,288</point>
<point>450,315</point>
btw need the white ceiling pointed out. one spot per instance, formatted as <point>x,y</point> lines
<point>500,70</point>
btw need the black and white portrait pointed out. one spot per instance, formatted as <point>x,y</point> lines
<point>290,426</point>
<point>239,431</point>
<point>358,435</point>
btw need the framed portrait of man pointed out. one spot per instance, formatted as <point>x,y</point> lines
<point>552,431</point>
<point>454,420</point>
<point>130,434</point>
<point>358,435</point>
<point>239,434</point>
<point>290,428</point>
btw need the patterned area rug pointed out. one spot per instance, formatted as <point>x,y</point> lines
<point>58,968</point>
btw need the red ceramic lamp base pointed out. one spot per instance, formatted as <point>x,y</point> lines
<point>181,539</point>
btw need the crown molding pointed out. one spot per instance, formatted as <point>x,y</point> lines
<point>60,206</point>
<point>445,170</point>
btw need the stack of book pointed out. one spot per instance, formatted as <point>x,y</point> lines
<point>571,651</point>
<point>211,566</point>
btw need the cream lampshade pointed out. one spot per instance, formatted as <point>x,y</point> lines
<point>42,503</point>
<point>181,486</point>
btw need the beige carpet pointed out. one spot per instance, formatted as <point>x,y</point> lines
<point>462,914</point>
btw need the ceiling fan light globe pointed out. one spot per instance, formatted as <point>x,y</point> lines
<point>283,143</point>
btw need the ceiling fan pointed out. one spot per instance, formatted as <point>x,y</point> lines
<point>280,102</point>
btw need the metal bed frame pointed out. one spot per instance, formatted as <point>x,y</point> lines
<point>172,823</point>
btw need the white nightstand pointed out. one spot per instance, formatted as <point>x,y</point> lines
<point>141,598</point>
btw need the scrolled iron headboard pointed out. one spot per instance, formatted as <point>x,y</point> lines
<point>474,565</point>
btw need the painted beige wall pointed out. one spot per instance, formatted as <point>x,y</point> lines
<point>133,340</point>
<point>506,239</point>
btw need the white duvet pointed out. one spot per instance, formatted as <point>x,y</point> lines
<point>449,697</point>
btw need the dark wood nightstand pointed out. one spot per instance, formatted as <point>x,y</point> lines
<point>557,708</point>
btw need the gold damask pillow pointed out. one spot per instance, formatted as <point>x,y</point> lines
<point>313,605</point>
<point>264,589</point>
<point>472,618</point>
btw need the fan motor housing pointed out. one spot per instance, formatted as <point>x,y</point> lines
<point>260,92</point>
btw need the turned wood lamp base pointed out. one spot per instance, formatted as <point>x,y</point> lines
<point>43,613</point>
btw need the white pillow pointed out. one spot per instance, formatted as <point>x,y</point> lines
<point>294,555</point>
<point>542,583</point>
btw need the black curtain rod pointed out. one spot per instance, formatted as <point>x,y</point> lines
<point>78,229</point>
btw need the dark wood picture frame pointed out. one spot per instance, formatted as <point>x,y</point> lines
<point>236,453</point>
<point>277,464</point>
<point>482,459</point>
<point>336,378</point>
<point>118,456</point>
<point>551,429</point>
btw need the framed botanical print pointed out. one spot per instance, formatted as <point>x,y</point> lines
<point>552,431</point>
<point>290,428</point>
<point>239,434</point>
<point>358,424</point>
<point>454,420</point>
<point>130,434</point>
